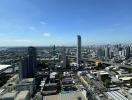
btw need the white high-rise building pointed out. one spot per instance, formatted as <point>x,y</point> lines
<point>78,50</point>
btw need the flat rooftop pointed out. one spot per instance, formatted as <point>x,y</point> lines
<point>125,78</point>
<point>9,95</point>
<point>4,67</point>
<point>27,81</point>
<point>66,96</point>
<point>103,72</point>
<point>22,95</point>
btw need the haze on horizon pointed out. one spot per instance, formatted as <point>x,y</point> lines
<point>48,22</point>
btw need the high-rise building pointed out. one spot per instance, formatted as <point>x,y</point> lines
<point>32,58</point>
<point>111,54</point>
<point>54,50</point>
<point>28,65</point>
<point>128,52</point>
<point>107,52</point>
<point>100,53</point>
<point>64,58</point>
<point>78,50</point>
<point>23,69</point>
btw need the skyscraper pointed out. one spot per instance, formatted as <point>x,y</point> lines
<point>107,52</point>
<point>32,59</point>
<point>127,52</point>
<point>78,50</point>
<point>64,58</point>
<point>23,69</point>
<point>100,53</point>
<point>28,64</point>
<point>54,51</point>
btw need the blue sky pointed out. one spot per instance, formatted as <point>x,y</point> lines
<point>48,22</point>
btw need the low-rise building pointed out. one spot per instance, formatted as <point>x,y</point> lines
<point>67,82</point>
<point>9,96</point>
<point>115,95</point>
<point>67,96</point>
<point>26,84</point>
<point>102,75</point>
<point>23,95</point>
<point>50,88</point>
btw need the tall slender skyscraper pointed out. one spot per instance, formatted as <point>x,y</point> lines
<point>107,52</point>
<point>64,57</point>
<point>78,51</point>
<point>32,59</point>
<point>128,51</point>
<point>24,69</point>
<point>54,51</point>
<point>28,66</point>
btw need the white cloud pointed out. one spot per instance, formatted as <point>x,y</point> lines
<point>43,23</point>
<point>46,34</point>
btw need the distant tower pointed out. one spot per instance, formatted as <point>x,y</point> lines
<point>100,53</point>
<point>64,58</point>
<point>127,52</point>
<point>28,64</point>
<point>54,50</point>
<point>107,52</point>
<point>78,50</point>
<point>24,68</point>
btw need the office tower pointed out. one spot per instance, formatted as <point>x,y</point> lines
<point>100,53</point>
<point>116,51</point>
<point>32,59</point>
<point>53,56</point>
<point>28,64</point>
<point>65,63</point>
<point>111,54</point>
<point>123,52</point>
<point>64,57</point>
<point>127,49</point>
<point>78,50</point>
<point>107,52</point>
<point>23,69</point>
<point>54,50</point>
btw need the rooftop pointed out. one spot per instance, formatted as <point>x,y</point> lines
<point>103,72</point>
<point>22,95</point>
<point>125,78</point>
<point>4,66</point>
<point>67,96</point>
<point>99,85</point>
<point>27,80</point>
<point>9,95</point>
<point>114,79</point>
<point>115,95</point>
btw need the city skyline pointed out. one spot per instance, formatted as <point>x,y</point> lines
<point>49,22</point>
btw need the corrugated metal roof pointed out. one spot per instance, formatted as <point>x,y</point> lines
<point>123,97</point>
<point>115,95</point>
